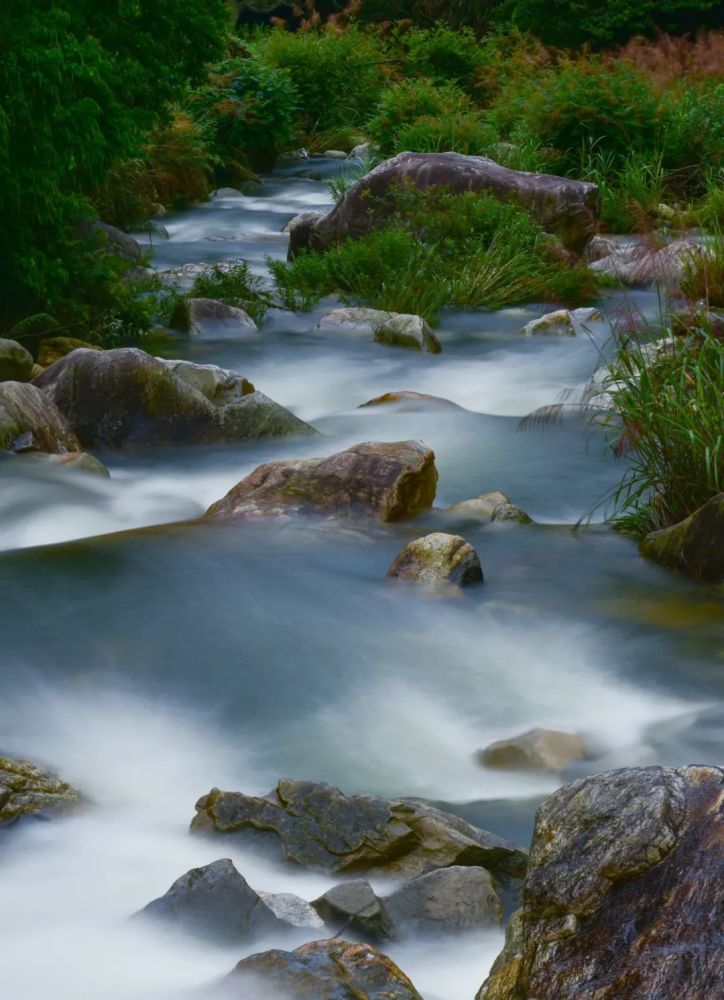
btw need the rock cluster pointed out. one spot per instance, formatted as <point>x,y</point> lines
<point>29,790</point>
<point>393,329</point>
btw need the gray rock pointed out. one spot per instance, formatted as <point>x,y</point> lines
<point>510,512</point>
<point>639,264</point>
<point>389,481</point>
<point>118,242</point>
<point>480,508</point>
<point>29,421</point>
<point>29,790</point>
<point>292,909</point>
<point>16,364</point>
<point>212,320</point>
<point>694,545</point>
<point>444,901</point>
<point>216,902</point>
<point>300,229</point>
<point>393,329</point>
<point>219,385</point>
<point>598,248</point>
<point>362,151</point>
<point>353,907</point>
<point>438,558</point>
<point>536,750</point>
<point>335,154</point>
<point>623,894</point>
<point>562,322</point>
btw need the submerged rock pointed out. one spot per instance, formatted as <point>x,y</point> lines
<point>510,512</point>
<point>641,264</point>
<point>536,750</point>
<point>321,970</point>
<point>623,894</point>
<point>211,319</point>
<point>353,907</point>
<point>389,481</point>
<point>438,558</point>
<point>318,827</point>
<point>393,329</point>
<point>694,545</point>
<point>29,790</point>
<point>562,206</point>
<point>29,421</point>
<point>562,322</point>
<point>52,349</point>
<point>411,402</point>
<point>481,508</point>
<point>444,901</point>
<point>219,385</point>
<point>16,364</point>
<point>78,461</point>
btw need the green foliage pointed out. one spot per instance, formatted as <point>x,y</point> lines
<point>403,104</point>
<point>704,277</point>
<point>235,286</point>
<point>443,55</point>
<point>631,191</point>
<point>464,132</point>
<point>693,132</point>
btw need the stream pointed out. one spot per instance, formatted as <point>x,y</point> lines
<point>147,666</point>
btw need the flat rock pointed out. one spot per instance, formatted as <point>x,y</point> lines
<point>29,790</point>
<point>29,421</point>
<point>388,481</point>
<point>411,402</point>
<point>16,364</point>
<point>640,264</point>
<point>694,545</point>
<point>438,558</point>
<point>393,329</point>
<point>210,319</point>
<point>623,894</point>
<point>445,901</point>
<point>536,750</point>
<point>353,907</point>
<point>318,827</point>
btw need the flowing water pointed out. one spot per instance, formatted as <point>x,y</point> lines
<point>150,665</point>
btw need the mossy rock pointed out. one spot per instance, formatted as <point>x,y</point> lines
<point>694,545</point>
<point>26,790</point>
<point>52,349</point>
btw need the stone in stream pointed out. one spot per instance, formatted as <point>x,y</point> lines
<point>292,909</point>
<point>443,902</point>
<point>211,319</point>
<point>536,750</point>
<point>215,902</point>
<point>388,481</point>
<point>219,385</point>
<point>598,248</point>
<point>321,970</point>
<point>393,329</point>
<point>318,827</point>
<point>510,512</point>
<point>438,558</point>
<point>52,349</point>
<point>117,241</point>
<point>481,508</point>
<point>694,545</point>
<point>353,908</point>
<point>299,230</point>
<point>564,207</point>
<point>562,322</point>
<point>16,364</point>
<point>642,264</point>
<point>411,402</point>
<point>126,398</point>
<point>29,421</point>
<point>74,461</point>
<point>29,790</point>
<point>623,895</point>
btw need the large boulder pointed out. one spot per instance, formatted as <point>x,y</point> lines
<point>321,970</point>
<point>125,398</point>
<point>215,902</point>
<point>565,207</point>
<point>694,545</point>
<point>451,899</point>
<point>437,558</point>
<point>388,481</point>
<point>536,750</point>
<point>211,319</point>
<point>16,364</point>
<point>318,827</point>
<point>29,421</point>
<point>118,242</point>
<point>641,264</point>
<point>393,329</point>
<point>623,894</point>
<point>29,790</point>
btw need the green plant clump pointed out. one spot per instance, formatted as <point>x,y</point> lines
<point>235,286</point>
<point>403,105</point>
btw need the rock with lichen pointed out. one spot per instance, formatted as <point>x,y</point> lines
<point>26,789</point>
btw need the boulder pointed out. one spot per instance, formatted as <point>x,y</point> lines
<point>481,508</point>
<point>694,545</point>
<point>126,398</point>
<point>335,154</point>
<point>219,385</point>
<point>641,264</point>
<point>321,970</point>
<point>353,907</point>
<point>16,364</point>
<point>215,902</point>
<point>510,512</point>
<point>299,230</point>
<point>562,322</point>
<point>536,750</point>
<point>623,894</point>
<point>389,481</point>
<point>29,790</point>
<point>564,207</point>
<point>452,899</point>
<point>598,248</point>
<point>438,558</point>
<point>78,461</point>
<point>318,827</point>
<point>361,151</point>
<point>393,329</point>
<point>29,421</point>
<point>292,909</point>
<point>118,242</point>
<point>52,349</point>
<point>211,319</point>
<point>411,402</point>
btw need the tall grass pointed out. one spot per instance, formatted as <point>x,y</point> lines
<point>631,190</point>
<point>704,277</point>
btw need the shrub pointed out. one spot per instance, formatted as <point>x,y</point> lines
<point>465,132</point>
<point>668,59</point>
<point>693,132</point>
<point>631,192</point>
<point>403,104</point>
<point>442,54</point>
<point>236,286</point>
<point>704,278</point>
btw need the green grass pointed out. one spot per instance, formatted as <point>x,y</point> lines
<point>235,286</point>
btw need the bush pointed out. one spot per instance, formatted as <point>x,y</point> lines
<point>693,132</point>
<point>402,105</point>
<point>442,54</point>
<point>704,278</point>
<point>631,192</point>
<point>465,132</point>
<point>235,286</point>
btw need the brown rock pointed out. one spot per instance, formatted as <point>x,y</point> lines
<point>411,402</point>
<point>438,558</point>
<point>29,421</point>
<point>536,750</point>
<point>52,349</point>
<point>26,789</point>
<point>694,545</point>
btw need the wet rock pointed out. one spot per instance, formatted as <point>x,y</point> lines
<point>438,558</point>
<point>565,207</point>
<point>393,329</point>
<point>79,461</point>
<point>641,264</point>
<point>362,151</point>
<point>126,398</point>
<point>335,154</point>
<point>211,319</point>
<point>562,322</point>
<point>300,230</point>
<point>598,248</point>
<point>694,545</point>
<point>227,192</point>
<point>219,385</point>
<point>321,970</point>
<point>215,902</point>
<point>291,909</point>
<point>118,242</point>
<point>510,512</point>
<point>481,508</point>
<point>389,481</point>
<point>29,421</point>
<point>536,750</point>
<point>52,349</point>
<point>318,827</point>
<point>411,402</point>
<point>29,790</point>
<point>444,901</point>
<point>623,895</point>
<point>353,907</point>
<point>16,364</point>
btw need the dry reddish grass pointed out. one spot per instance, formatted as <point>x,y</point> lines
<point>668,59</point>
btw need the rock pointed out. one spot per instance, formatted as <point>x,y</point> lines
<point>353,907</point>
<point>438,559</point>
<point>444,901</point>
<point>16,364</point>
<point>694,545</point>
<point>52,349</point>
<point>219,385</point>
<point>300,229</point>
<point>481,508</point>
<point>335,154</point>
<point>598,248</point>
<point>389,481</point>
<point>640,264</point>
<point>411,402</point>
<point>292,909</point>
<point>564,207</point>
<point>79,461</point>
<point>29,790</point>
<point>119,243</point>
<point>215,902</point>
<point>622,894</point>
<point>29,421</point>
<point>509,512</point>
<point>562,322</point>
<point>36,370</point>
<point>536,750</point>
<point>362,151</point>
<point>393,329</point>
<point>318,827</point>
<point>322,970</point>
<point>125,398</point>
<point>211,319</point>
